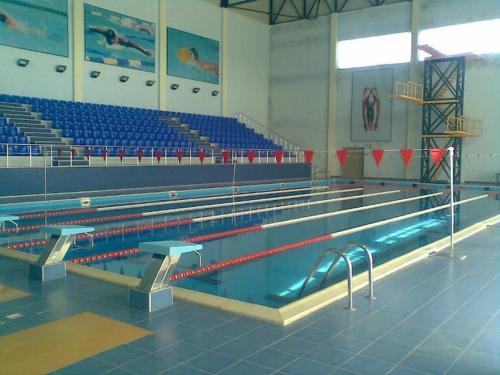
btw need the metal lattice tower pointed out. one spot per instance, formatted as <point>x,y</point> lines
<point>443,97</point>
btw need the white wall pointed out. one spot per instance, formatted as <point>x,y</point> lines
<point>247,57</point>
<point>299,76</point>
<point>247,71</point>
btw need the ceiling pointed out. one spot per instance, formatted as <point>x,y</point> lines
<point>281,11</point>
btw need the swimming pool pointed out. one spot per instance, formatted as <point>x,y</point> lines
<point>251,222</point>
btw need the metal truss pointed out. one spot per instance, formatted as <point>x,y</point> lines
<point>443,96</point>
<point>281,11</point>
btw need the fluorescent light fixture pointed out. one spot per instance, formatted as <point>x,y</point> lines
<point>196,90</point>
<point>150,82</point>
<point>95,74</point>
<point>60,68</point>
<point>124,79</point>
<point>22,62</point>
<point>174,86</point>
<point>215,93</point>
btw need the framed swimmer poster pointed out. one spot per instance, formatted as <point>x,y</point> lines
<point>36,25</point>
<point>192,56</point>
<point>371,106</point>
<point>117,39</point>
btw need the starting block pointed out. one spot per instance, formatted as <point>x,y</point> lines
<point>50,264</point>
<point>154,293</point>
<point>8,219</point>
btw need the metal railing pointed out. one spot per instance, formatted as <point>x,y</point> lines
<point>344,255</point>
<point>46,155</point>
<point>266,132</point>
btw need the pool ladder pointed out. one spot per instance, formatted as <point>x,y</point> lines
<point>344,255</point>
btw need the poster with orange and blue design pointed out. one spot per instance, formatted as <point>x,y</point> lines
<point>192,56</point>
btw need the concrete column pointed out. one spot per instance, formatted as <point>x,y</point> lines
<point>162,55</point>
<point>332,95</point>
<point>225,64</point>
<point>78,33</point>
<point>413,132</point>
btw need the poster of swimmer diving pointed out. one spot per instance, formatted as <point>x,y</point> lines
<point>36,25</point>
<point>117,39</point>
<point>371,106</point>
<point>192,56</point>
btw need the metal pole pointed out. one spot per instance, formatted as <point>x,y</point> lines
<point>452,202</point>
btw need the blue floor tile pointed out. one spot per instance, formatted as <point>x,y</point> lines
<point>211,362</point>
<point>238,349</point>
<point>246,368</point>
<point>475,363</point>
<point>150,364</point>
<point>329,355</point>
<point>181,351</point>
<point>383,352</point>
<point>293,346</point>
<point>303,366</point>
<point>121,354</point>
<point>348,343</point>
<point>426,363</point>
<point>365,365</point>
<point>271,358</point>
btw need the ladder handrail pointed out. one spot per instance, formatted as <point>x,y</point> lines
<point>369,256</point>
<point>342,254</point>
<point>277,138</point>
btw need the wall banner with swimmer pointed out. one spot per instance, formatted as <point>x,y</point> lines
<point>371,106</point>
<point>116,39</point>
<point>36,25</point>
<point>192,56</point>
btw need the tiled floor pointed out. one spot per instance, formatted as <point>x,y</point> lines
<point>440,316</point>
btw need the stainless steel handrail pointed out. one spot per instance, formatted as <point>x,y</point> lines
<point>342,254</point>
<point>370,264</point>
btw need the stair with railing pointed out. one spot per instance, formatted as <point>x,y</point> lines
<point>39,132</point>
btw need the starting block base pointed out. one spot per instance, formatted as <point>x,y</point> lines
<point>151,301</point>
<point>47,272</point>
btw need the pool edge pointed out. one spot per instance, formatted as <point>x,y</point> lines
<point>287,314</point>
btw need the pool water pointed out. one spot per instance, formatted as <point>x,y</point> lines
<point>277,280</point>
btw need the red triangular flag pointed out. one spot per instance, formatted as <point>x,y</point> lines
<point>278,155</point>
<point>225,156</point>
<point>250,156</point>
<point>140,154</point>
<point>121,154</point>
<point>180,154</point>
<point>437,155</point>
<point>406,155</point>
<point>201,155</point>
<point>308,155</point>
<point>342,156</point>
<point>159,155</point>
<point>104,153</point>
<point>378,155</point>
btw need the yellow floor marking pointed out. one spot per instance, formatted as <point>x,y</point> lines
<point>9,294</point>
<point>60,343</point>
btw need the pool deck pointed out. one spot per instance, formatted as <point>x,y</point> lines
<point>437,316</point>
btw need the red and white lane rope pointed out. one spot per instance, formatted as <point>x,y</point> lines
<point>111,218</point>
<point>75,211</point>
<point>280,249</point>
<point>256,228</point>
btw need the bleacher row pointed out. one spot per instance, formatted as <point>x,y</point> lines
<point>106,125</point>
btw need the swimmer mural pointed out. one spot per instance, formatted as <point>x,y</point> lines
<point>192,56</point>
<point>371,111</point>
<point>36,25</point>
<point>117,39</point>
